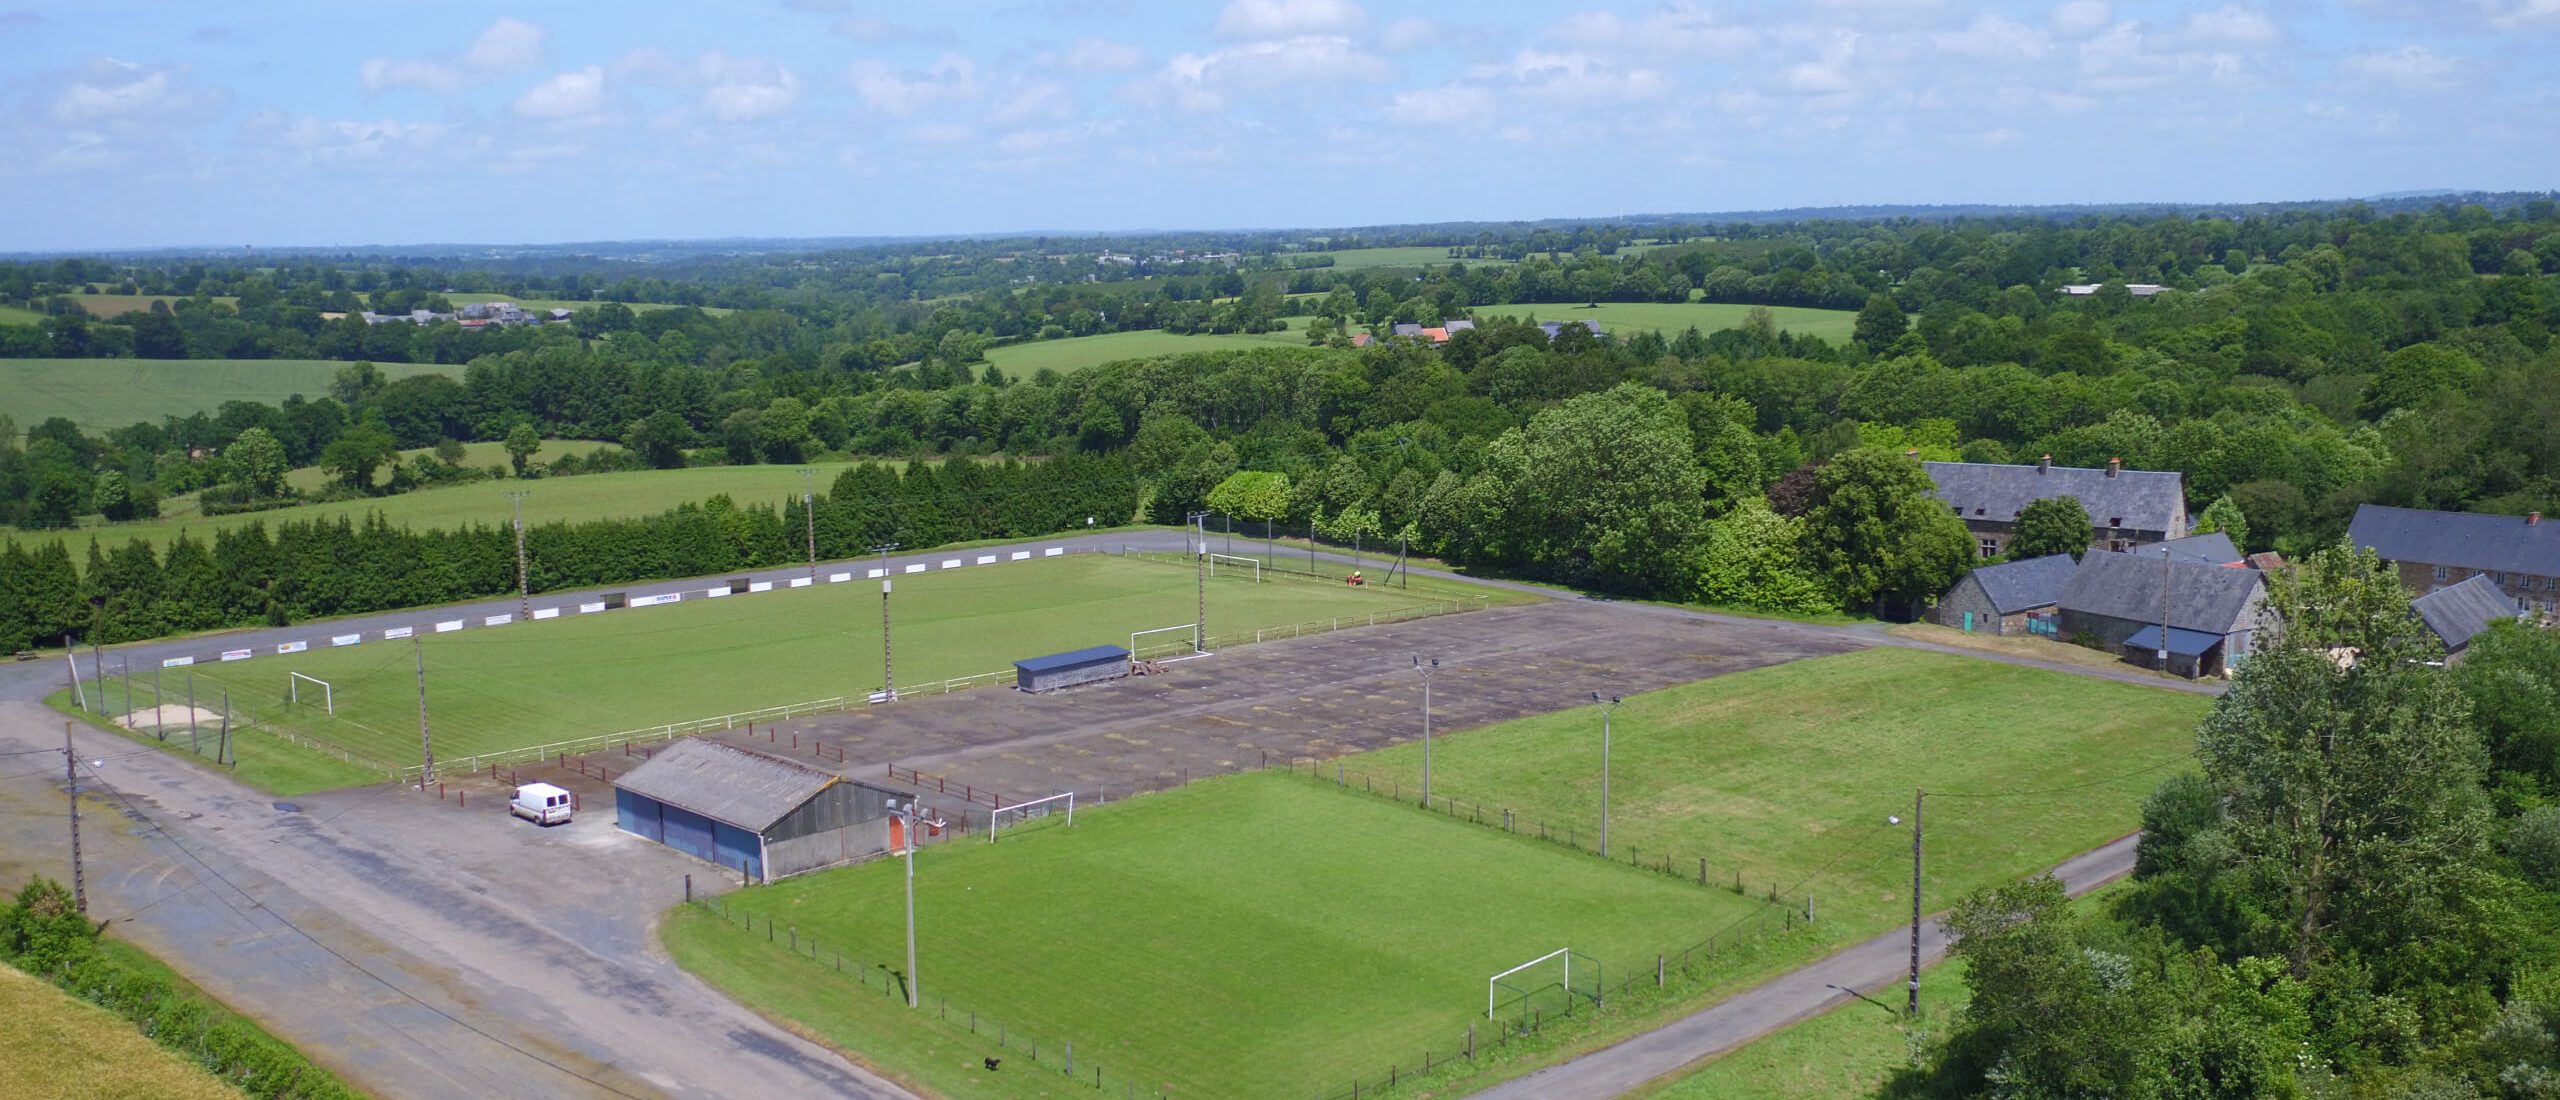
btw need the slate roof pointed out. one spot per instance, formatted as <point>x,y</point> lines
<point>2211,548</point>
<point>2182,641</point>
<point>2143,500</point>
<point>2023,585</point>
<point>2123,586</point>
<point>1406,328</point>
<point>1074,658</point>
<point>2458,612</point>
<point>1551,328</point>
<point>725,783</point>
<point>2471,540</point>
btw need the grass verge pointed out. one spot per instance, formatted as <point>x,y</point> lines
<point>59,1047</point>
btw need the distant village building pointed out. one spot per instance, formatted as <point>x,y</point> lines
<point>1552,328</point>
<point>2520,555</point>
<point>2127,508</point>
<point>2138,290</point>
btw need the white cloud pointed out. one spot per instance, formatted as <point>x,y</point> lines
<point>904,92</point>
<point>2523,15</point>
<point>1202,82</point>
<point>1101,55</point>
<point>1682,29</point>
<point>1035,101</point>
<point>1814,78</point>
<point>310,141</point>
<point>2415,68</point>
<point>1994,38</point>
<point>571,94</point>
<point>742,89</point>
<point>508,45</point>
<point>1453,105</point>
<point>2081,18</point>
<point>1579,78</point>
<point>2232,25</point>
<point>1289,18</point>
<point>115,91</point>
<point>1405,34</point>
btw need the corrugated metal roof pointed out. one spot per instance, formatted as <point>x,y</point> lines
<point>2183,642</point>
<point>2021,585</point>
<point>2200,597</point>
<point>2470,540</point>
<point>2143,500</point>
<point>1074,658</point>
<point>725,783</point>
<point>2457,613</point>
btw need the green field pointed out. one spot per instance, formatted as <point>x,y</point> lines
<point>19,315</point>
<point>1844,1054</point>
<point>1624,319</point>
<point>99,394</point>
<point>484,454</point>
<point>585,497</point>
<point>1249,936</point>
<point>117,305</point>
<point>59,1046</point>
<point>1075,353</point>
<point>586,675</point>
<point>1421,255</point>
<point>1787,774</point>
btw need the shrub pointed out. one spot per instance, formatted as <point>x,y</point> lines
<point>2534,841</point>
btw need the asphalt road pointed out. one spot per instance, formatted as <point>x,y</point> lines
<point>1878,968</point>
<point>428,961</point>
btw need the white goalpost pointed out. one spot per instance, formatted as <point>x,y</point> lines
<point>328,695</point>
<point>1033,810</point>
<point>1235,561</point>
<point>1187,647</point>
<point>1494,985</point>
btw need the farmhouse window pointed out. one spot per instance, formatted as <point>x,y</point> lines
<point>2441,572</point>
<point>1990,548</point>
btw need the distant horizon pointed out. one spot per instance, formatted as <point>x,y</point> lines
<point>426,248</point>
<point>584,121</point>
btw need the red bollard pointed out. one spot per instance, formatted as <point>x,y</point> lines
<point>462,799</point>
<point>439,790</point>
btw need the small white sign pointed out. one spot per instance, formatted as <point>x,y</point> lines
<point>346,639</point>
<point>1052,552</point>
<point>802,582</point>
<point>237,654</point>
<point>986,559</point>
<point>291,647</point>
<point>653,601</point>
<point>714,593</point>
<point>951,563</point>
<point>1018,555</point>
<point>590,607</point>
<point>449,626</point>
<point>760,586</point>
<point>546,613</point>
<point>876,574</point>
<point>497,620</point>
<point>916,568</point>
<point>397,632</point>
<point>177,662</point>
<point>838,578</point>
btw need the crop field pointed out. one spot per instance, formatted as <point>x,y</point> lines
<point>532,683</point>
<point>1624,319</point>
<point>57,1045</point>
<point>1249,936</point>
<point>1075,353</point>
<point>585,497</point>
<point>99,394</point>
<point>1785,775</point>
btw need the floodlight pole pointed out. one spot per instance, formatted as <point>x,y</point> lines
<point>2164,607</point>
<point>888,671</point>
<point>524,590</point>
<point>1200,577</point>
<point>1426,671</point>
<point>1607,710</point>
<point>913,819</point>
<point>808,512</point>
<point>71,786</point>
<point>426,745</point>
<point>1918,796</point>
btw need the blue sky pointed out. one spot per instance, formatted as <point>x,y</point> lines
<point>313,124</point>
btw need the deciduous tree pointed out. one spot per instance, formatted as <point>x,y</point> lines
<point>2053,525</point>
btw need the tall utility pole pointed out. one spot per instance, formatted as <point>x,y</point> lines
<point>426,745</point>
<point>1607,710</point>
<point>71,782</point>
<point>2164,608</point>
<point>524,590</point>
<point>914,818</point>
<point>1200,578</point>
<point>888,670</point>
<point>808,512</point>
<point>1917,797</point>
<point>1426,671</point>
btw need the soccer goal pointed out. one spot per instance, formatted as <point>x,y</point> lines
<point>1161,648</point>
<point>1546,985</point>
<point>1235,563</point>
<point>1056,808</point>
<point>328,695</point>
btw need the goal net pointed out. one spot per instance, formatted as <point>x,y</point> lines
<point>1544,986</point>
<point>321,691</point>
<point>1057,809</point>
<point>1236,564</point>
<point>1165,644</point>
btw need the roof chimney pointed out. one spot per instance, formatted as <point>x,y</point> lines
<point>2045,464</point>
<point>2115,466</point>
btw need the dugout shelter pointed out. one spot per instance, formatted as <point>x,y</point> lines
<point>748,811</point>
<point>1079,666</point>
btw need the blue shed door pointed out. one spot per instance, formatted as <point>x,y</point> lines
<point>639,816</point>
<point>690,833</point>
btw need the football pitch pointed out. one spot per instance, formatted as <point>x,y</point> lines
<point>492,690</point>
<point>1257,935</point>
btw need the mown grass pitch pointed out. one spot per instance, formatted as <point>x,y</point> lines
<point>1787,774</point>
<point>99,394</point>
<point>532,683</point>
<point>1258,935</point>
<point>1075,353</point>
<point>1624,319</point>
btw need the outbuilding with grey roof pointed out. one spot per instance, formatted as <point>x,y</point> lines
<point>763,816</point>
<point>2007,598</point>
<point>2457,614</point>
<point>2114,599</point>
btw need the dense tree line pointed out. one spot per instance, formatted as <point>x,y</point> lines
<point>2357,895</point>
<point>308,569</point>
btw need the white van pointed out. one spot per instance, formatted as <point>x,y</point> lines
<point>542,804</point>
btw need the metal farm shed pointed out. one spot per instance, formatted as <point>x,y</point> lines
<point>1080,666</point>
<point>746,811</point>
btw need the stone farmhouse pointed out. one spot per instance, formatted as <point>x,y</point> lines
<point>2520,555</point>
<point>2127,508</point>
